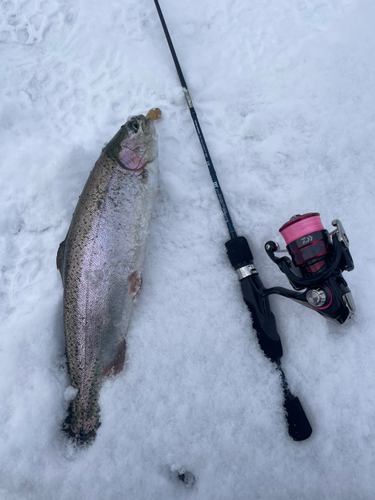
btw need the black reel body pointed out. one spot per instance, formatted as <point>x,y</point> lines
<point>317,262</point>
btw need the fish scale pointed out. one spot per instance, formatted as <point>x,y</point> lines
<point>100,263</point>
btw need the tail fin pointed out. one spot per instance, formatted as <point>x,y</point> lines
<point>81,428</point>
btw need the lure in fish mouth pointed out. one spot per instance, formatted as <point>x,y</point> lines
<point>100,262</point>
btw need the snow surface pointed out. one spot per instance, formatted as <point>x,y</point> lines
<point>284,91</point>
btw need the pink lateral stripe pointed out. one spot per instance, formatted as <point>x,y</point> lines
<point>302,228</point>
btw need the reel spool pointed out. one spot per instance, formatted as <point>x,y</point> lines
<point>306,241</point>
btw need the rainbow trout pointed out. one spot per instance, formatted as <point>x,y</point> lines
<point>100,262</point>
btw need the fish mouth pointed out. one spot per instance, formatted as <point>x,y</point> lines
<point>148,126</point>
<point>149,130</point>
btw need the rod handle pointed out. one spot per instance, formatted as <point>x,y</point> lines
<point>299,427</point>
<point>264,322</point>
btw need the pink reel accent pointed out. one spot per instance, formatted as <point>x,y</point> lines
<point>297,228</point>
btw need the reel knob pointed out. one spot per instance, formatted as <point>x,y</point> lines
<point>316,297</point>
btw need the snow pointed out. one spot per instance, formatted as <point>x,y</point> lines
<point>284,94</point>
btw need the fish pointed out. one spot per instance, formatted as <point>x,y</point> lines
<point>100,262</point>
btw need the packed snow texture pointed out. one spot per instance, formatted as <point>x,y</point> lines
<point>284,91</point>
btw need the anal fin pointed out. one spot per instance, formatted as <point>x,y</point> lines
<point>116,365</point>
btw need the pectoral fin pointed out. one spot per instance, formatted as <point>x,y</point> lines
<point>60,258</point>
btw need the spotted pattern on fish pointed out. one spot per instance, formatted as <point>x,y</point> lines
<point>100,262</point>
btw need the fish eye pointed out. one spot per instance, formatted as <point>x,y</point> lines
<point>134,125</point>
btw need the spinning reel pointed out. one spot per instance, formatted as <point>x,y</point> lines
<point>318,259</point>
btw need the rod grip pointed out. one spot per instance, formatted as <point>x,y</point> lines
<point>239,252</point>
<point>264,322</point>
<point>299,427</point>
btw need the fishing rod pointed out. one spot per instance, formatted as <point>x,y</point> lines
<point>318,260</point>
<point>194,117</point>
<point>241,258</point>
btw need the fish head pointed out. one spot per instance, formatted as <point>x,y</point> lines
<point>134,145</point>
